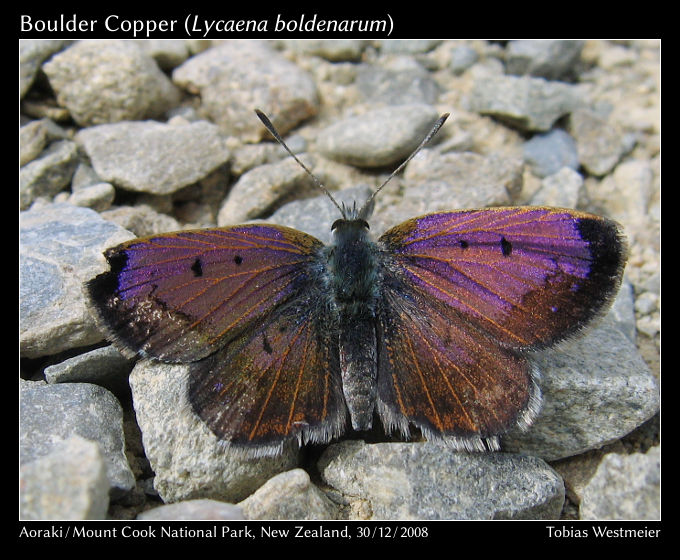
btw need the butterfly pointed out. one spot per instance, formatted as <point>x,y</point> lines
<point>288,340</point>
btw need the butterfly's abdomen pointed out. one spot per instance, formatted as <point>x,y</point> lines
<point>352,266</point>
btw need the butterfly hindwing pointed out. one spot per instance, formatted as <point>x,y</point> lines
<point>179,297</point>
<point>440,373</point>
<point>278,381</point>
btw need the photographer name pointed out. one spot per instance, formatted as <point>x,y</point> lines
<point>602,532</point>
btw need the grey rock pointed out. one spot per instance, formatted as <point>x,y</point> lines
<point>32,140</point>
<point>196,510</point>
<point>577,471</point>
<point>629,194</point>
<point>50,414</point>
<point>68,483</point>
<point>289,495</point>
<point>187,458</point>
<point>105,366</point>
<point>60,247</point>
<point>430,481</point>
<point>238,76</point>
<point>563,189</point>
<point>408,46</point>
<point>622,312</point>
<point>142,220</point>
<point>154,157</point>
<point>548,153</point>
<point>48,174</point>
<point>334,50</point>
<point>99,197</point>
<point>84,177</point>
<point>396,86</point>
<point>379,137</point>
<point>462,57</point>
<point>523,102</point>
<point>258,191</point>
<point>452,181</point>
<point>32,53</point>
<point>550,59</point>
<point>625,487</point>
<point>109,81</point>
<point>596,389</point>
<point>600,145</point>
<point>168,53</point>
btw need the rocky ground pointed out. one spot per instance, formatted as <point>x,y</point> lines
<point>121,139</point>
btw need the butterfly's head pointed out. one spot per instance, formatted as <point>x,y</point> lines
<point>343,226</point>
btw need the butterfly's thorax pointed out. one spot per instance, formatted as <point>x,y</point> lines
<point>353,272</point>
<point>352,264</point>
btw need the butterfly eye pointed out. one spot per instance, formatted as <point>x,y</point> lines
<point>336,223</point>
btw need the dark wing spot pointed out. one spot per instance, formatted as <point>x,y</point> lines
<point>506,247</point>
<point>238,259</point>
<point>265,344</point>
<point>463,244</point>
<point>197,268</point>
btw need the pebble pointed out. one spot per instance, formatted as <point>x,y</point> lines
<point>447,484</point>
<point>99,197</point>
<point>289,495</point>
<point>153,157</point>
<point>61,246</point>
<point>625,487</point>
<point>104,366</point>
<point>377,138</point>
<point>109,81</point>
<point>32,140</point>
<point>188,460</point>
<point>334,50</point>
<point>549,152</point>
<point>142,220</point>
<point>396,86</point>
<point>600,145</point>
<point>353,111</point>
<point>527,103</point>
<point>69,482</point>
<point>550,59</point>
<point>194,510</point>
<point>249,74</point>
<point>564,189</point>
<point>257,191</point>
<point>48,174</point>
<point>462,57</point>
<point>50,414</point>
<point>32,53</point>
<point>439,182</point>
<point>586,382</point>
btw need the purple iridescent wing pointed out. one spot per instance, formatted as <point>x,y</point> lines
<point>244,306</point>
<point>464,292</point>
<point>178,297</point>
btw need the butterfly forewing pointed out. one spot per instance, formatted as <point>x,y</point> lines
<point>181,296</point>
<point>527,276</point>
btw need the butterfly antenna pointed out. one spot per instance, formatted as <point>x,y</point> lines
<point>270,127</point>
<point>440,121</point>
